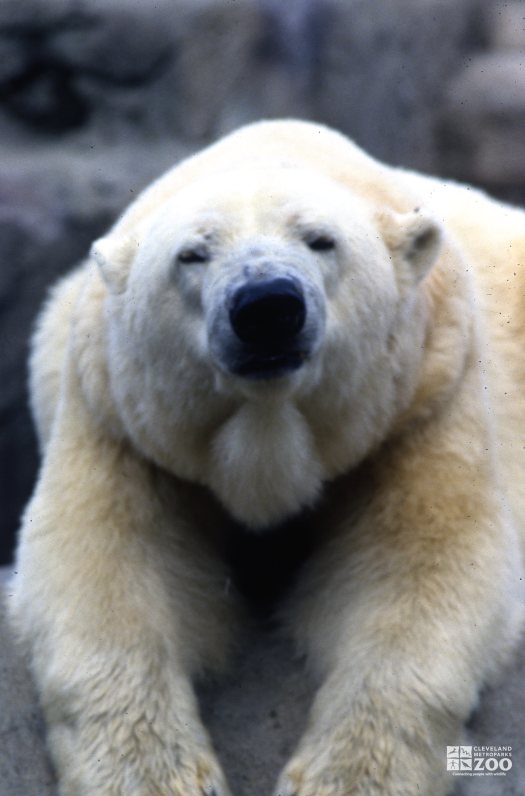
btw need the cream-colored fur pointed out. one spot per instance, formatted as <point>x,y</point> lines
<point>400,430</point>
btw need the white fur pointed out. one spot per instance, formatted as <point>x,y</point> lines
<point>410,396</point>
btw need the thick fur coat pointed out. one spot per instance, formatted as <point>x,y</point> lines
<point>279,325</point>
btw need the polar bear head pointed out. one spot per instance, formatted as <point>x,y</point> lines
<point>261,325</point>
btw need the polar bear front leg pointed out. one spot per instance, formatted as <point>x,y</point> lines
<point>119,603</point>
<point>410,610</point>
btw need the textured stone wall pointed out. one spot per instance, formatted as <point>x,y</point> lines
<point>483,119</point>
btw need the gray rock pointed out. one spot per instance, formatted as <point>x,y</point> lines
<point>499,721</point>
<point>485,118</point>
<point>491,84</point>
<point>257,712</point>
<point>506,25</point>
<point>24,766</point>
<point>118,70</point>
<point>196,69</point>
<point>383,69</point>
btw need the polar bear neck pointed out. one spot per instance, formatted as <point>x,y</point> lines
<point>264,464</point>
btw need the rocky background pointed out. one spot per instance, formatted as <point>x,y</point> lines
<point>97,98</point>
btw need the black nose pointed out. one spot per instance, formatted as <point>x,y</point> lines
<point>268,314</point>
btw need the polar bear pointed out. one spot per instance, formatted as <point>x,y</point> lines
<point>280,327</point>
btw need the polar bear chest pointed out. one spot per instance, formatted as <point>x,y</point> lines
<point>263,464</point>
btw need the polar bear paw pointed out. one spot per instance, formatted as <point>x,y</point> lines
<point>152,767</point>
<point>337,769</point>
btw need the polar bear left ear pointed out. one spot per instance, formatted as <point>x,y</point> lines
<point>414,238</point>
<point>113,255</point>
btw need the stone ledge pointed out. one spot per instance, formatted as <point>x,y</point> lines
<point>485,113</point>
<point>506,24</point>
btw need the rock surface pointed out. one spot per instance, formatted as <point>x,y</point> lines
<point>488,95</point>
<point>483,112</point>
<point>115,70</point>
<point>392,107</point>
<point>500,722</point>
<point>506,22</point>
<point>24,766</point>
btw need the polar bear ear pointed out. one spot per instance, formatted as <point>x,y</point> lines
<point>113,255</point>
<point>414,238</point>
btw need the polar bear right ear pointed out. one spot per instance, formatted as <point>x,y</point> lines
<point>414,238</point>
<point>113,255</point>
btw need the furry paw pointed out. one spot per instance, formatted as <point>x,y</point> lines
<point>343,765</point>
<point>177,779</point>
<point>141,764</point>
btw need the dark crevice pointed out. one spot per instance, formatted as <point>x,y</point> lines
<point>44,92</point>
<point>132,80</point>
<point>74,20</point>
<point>264,566</point>
<point>44,97</point>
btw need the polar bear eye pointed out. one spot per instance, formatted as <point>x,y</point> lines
<point>321,243</point>
<point>193,254</point>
